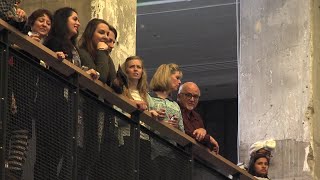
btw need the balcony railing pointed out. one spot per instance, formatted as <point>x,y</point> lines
<point>73,131</point>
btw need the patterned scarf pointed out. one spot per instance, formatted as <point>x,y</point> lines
<point>7,9</point>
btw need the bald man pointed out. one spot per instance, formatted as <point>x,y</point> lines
<point>188,98</point>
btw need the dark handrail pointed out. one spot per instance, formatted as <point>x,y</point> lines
<point>66,68</point>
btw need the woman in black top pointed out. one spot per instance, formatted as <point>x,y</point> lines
<point>95,157</point>
<point>56,125</point>
<point>93,50</point>
<point>63,35</point>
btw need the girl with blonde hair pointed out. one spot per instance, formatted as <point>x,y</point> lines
<point>137,91</point>
<point>166,80</point>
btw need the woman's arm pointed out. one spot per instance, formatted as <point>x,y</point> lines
<point>112,70</point>
<point>101,65</point>
<point>86,59</point>
<point>53,44</point>
<point>56,46</point>
<point>180,119</point>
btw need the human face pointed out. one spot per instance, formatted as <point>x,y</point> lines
<point>42,26</point>
<point>100,34</point>
<point>261,167</point>
<point>189,96</point>
<point>112,40</point>
<point>175,80</point>
<point>73,24</point>
<point>134,70</point>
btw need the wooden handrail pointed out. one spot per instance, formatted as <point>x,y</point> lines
<point>66,68</point>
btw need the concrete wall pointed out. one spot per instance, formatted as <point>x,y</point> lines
<point>119,13</point>
<point>278,84</point>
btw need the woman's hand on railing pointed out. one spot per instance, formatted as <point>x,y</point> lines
<point>153,113</point>
<point>61,56</point>
<point>93,73</point>
<point>158,114</point>
<point>142,106</point>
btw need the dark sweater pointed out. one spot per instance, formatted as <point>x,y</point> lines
<point>57,45</point>
<point>102,63</point>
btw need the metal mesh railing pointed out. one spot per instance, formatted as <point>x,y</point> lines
<point>53,129</point>
<point>201,171</point>
<point>39,121</point>
<point>99,155</point>
<point>169,161</point>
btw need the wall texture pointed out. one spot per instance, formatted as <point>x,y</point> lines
<point>278,83</point>
<point>120,13</point>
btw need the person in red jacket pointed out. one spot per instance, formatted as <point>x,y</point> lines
<point>188,98</point>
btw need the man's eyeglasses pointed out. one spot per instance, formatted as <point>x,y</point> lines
<point>189,96</point>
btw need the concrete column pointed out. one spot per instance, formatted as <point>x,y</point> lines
<point>279,89</point>
<point>120,13</point>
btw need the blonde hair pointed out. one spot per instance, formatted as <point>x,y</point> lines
<point>161,80</point>
<point>142,83</point>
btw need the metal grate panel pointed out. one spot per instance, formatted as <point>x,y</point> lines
<point>54,132</point>
<point>170,162</point>
<point>39,122</point>
<point>100,156</point>
<point>203,172</point>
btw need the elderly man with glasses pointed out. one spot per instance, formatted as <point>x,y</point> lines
<point>188,98</point>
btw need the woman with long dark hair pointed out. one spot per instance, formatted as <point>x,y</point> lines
<point>93,50</point>
<point>63,35</point>
<point>55,126</point>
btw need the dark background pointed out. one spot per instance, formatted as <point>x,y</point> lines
<point>221,120</point>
